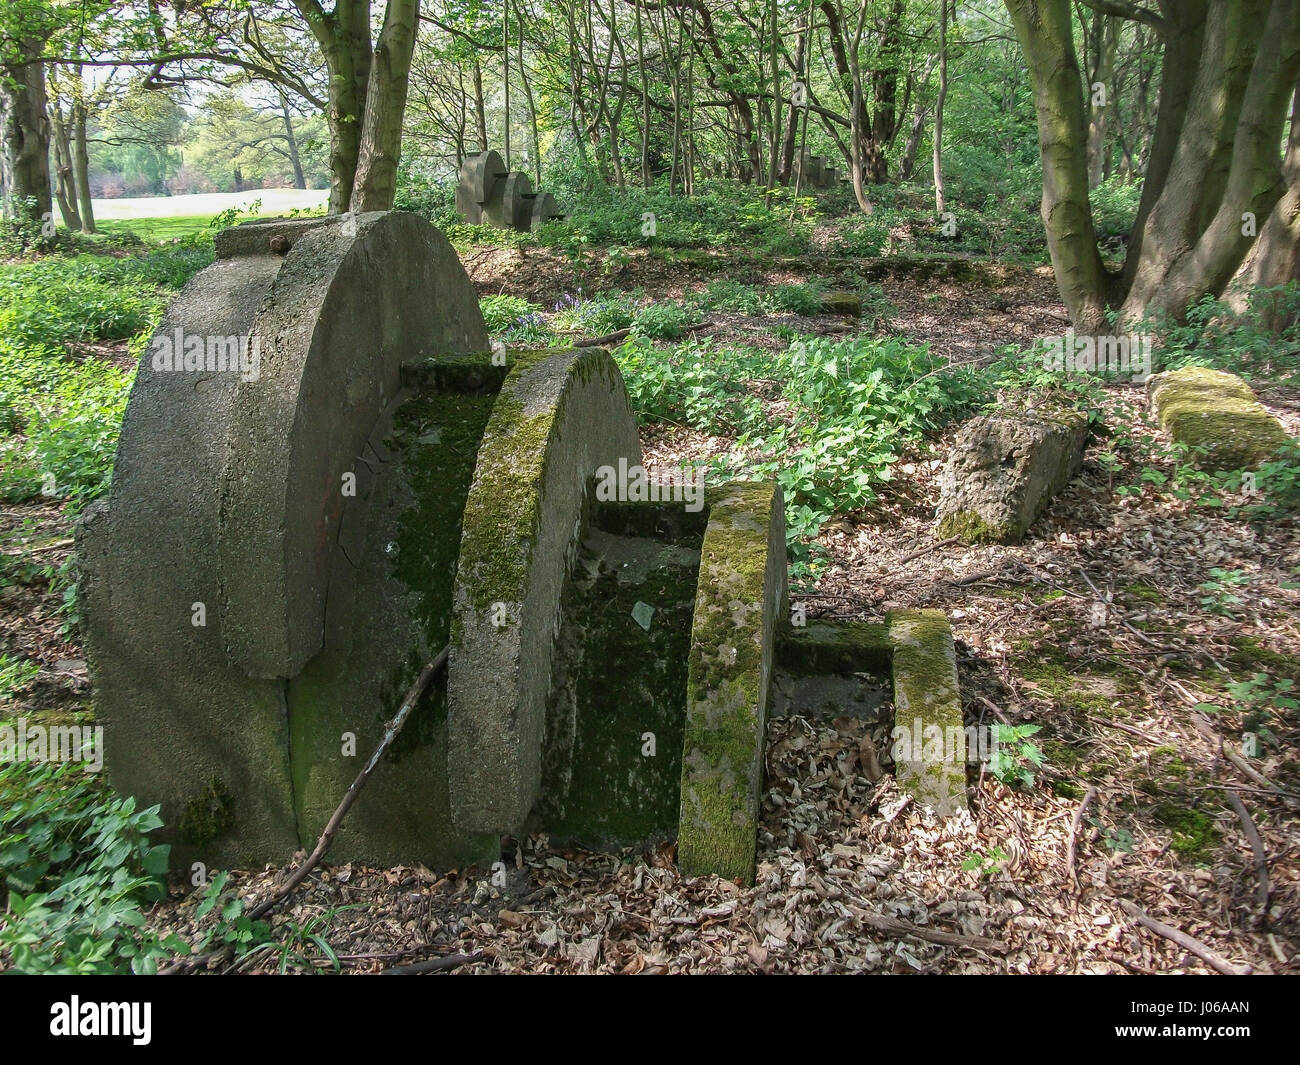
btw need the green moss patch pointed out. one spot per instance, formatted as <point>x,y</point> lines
<point>843,647</point>
<point>926,698</point>
<point>1217,416</point>
<point>970,528</point>
<point>741,594</point>
<point>209,815</point>
<point>1194,833</point>
<point>612,763</point>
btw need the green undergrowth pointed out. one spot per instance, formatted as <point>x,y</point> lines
<point>61,402</point>
<point>829,420</point>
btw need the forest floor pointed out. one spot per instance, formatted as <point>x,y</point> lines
<point>1115,627</point>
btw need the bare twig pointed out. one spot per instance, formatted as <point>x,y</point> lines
<point>433,965</point>
<point>927,550</point>
<point>619,334</point>
<point>327,837</point>
<point>1257,849</point>
<point>1207,730</point>
<point>608,338</point>
<point>895,927</point>
<point>1074,832</point>
<point>1184,940</point>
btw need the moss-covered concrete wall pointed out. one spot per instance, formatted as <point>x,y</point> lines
<point>613,757</point>
<point>927,703</point>
<point>560,416</point>
<point>740,601</point>
<point>1216,415</point>
<point>390,613</point>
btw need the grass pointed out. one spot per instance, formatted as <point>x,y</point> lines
<point>156,230</point>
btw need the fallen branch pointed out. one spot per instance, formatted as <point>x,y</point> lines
<point>331,829</point>
<point>1204,727</point>
<point>927,550</point>
<point>391,731</point>
<point>619,334</point>
<point>1074,833</point>
<point>1185,941</point>
<point>608,338</point>
<point>896,927</point>
<point>433,965</point>
<point>972,578</point>
<point>1257,849</point>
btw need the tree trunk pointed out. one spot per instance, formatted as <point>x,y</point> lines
<point>1104,40</point>
<point>645,98</point>
<point>866,160</point>
<point>65,190</point>
<point>1275,258</point>
<point>381,139</point>
<point>291,141</point>
<point>25,152</point>
<point>1226,163</point>
<point>773,161</point>
<point>528,96</point>
<point>344,39</point>
<point>913,146</point>
<point>1214,161</point>
<point>505,82</point>
<point>480,108</point>
<point>940,204</point>
<point>81,165</point>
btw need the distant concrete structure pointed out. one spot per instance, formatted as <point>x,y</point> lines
<point>489,194</point>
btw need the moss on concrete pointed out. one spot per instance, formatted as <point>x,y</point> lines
<point>614,682</point>
<point>970,528</point>
<point>399,598</point>
<point>1217,416</point>
<point>848,304</point>
<point>501,515</point>
<point>209,815</point>
<point>841,647</point>
<point>741,591</point>
<point>926,697</point>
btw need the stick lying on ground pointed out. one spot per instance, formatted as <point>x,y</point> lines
<point>1184,940</point>
<point>391,731</point>
<point>1256,849</point>
<point>619,334</point>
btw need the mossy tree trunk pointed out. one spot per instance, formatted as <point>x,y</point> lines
<point>1275,258</point>
<point>343,35</point>
<point>1229,70</point>
<point>1047,36</point>
<point>25,140</point>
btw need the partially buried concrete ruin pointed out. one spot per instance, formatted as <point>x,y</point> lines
<point>286,545</point>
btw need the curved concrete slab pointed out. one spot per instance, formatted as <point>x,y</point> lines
<point>559,416</point>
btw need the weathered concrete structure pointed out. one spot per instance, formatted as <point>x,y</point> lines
<point>489,194</point>
<point>1005,469</point>
<point>810,172</point>
<point>1216,416</point>
<point>287,544</point>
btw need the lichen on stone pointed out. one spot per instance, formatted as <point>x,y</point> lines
<point>1217,417</point>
